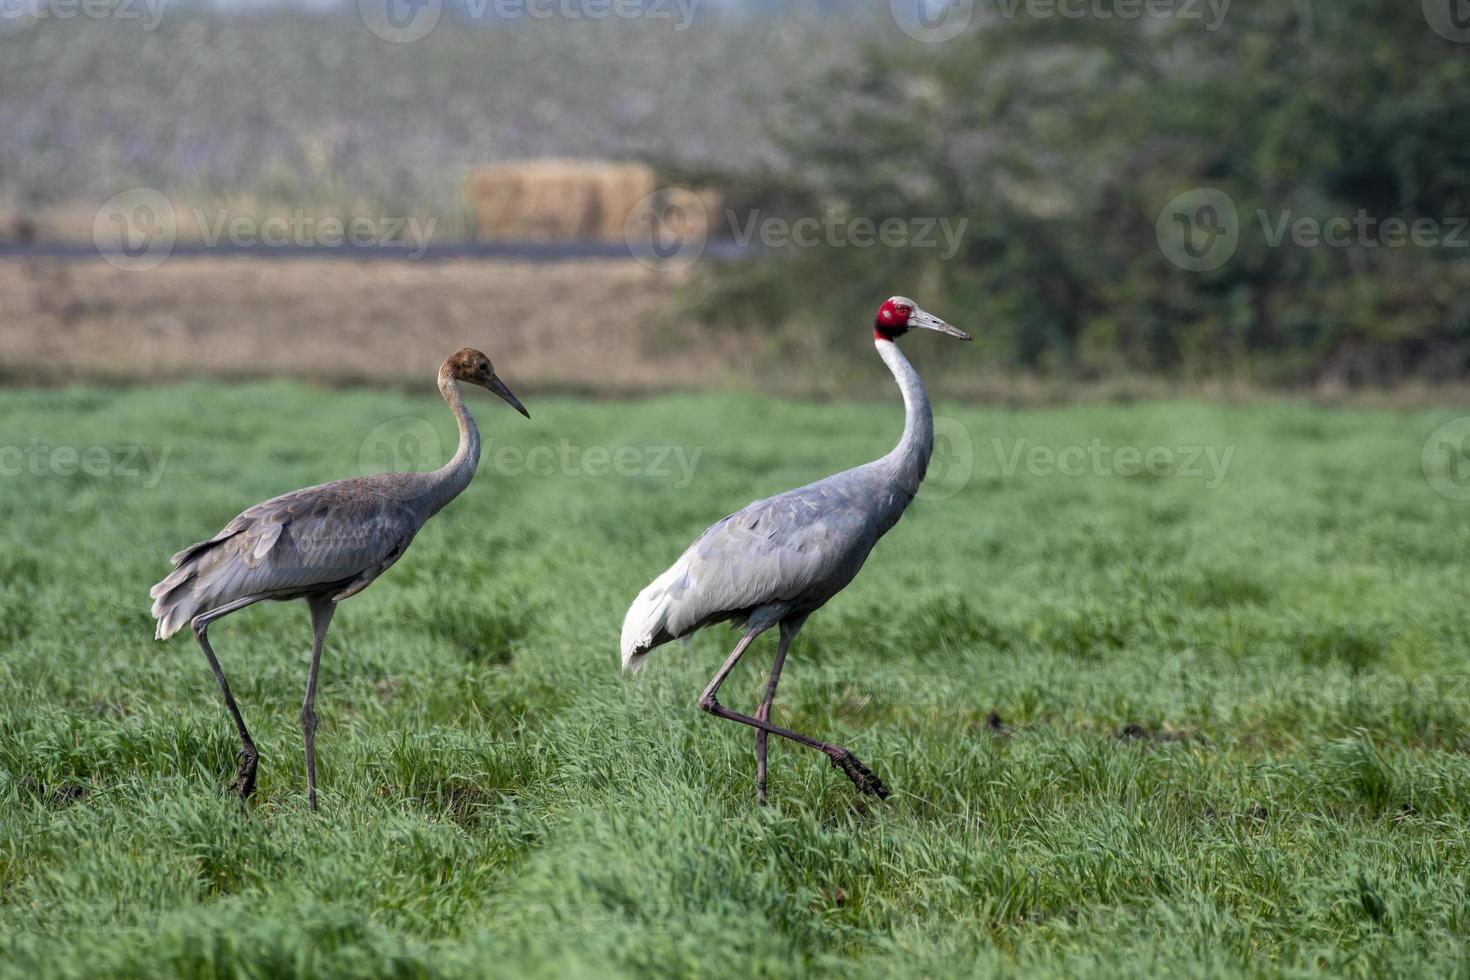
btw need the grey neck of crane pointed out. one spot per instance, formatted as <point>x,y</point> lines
<point>910,458</point>
<point>451,478</point>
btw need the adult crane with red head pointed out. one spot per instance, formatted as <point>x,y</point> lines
<point>778,560</point>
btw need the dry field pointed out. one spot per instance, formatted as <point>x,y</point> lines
<point>589,325</point>
<point>597,327</point>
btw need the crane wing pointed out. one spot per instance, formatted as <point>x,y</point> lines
<point>782,549</point>
<point>787,552</point>
<point>338,536</point>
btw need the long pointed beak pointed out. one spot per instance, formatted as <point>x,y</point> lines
<point>918,318</point>
<point>498,386</point>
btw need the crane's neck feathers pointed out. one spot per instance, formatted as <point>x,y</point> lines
<point>909,460</point>
<point>451,478</point>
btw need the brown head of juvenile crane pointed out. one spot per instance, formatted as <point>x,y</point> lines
<point>321,544</point>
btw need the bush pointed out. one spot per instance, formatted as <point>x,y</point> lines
<point>1063,140</point>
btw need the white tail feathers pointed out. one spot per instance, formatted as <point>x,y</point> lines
<point>645,625</point>
<point>174,602</point>
<point>178,599</point>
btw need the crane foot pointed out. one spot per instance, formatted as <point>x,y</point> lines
<point>244,783</point>
<point>862,777</point>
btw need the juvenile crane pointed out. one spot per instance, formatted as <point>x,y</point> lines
<point>321,544</point>
<point>778,560</point>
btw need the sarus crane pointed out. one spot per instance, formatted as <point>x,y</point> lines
<point>778,560</point>
<point>322,544</point>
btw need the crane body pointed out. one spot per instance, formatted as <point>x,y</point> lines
<point>777,560</point>
<point>322,544</point>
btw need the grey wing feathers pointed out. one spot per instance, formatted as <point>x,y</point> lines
<point>776,556</point>
<point>335,537</point>
<point>785,549</point>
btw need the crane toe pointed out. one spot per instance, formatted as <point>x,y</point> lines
<point>862,777</point>
<point>244,783</point>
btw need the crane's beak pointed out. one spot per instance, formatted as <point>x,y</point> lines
<point>498,386</point>
<point>918,318</point>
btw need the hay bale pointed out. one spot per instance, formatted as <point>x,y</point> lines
<point>557,200</point>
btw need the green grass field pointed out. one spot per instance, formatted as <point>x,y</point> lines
<point>1232,733</point>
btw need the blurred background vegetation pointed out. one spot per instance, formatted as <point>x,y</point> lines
<point>1063,140</point>
<point>1060,140</point>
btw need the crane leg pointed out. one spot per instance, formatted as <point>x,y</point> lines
<point>322,609</point>
<point>763,713</point>
<point>862,777</point>
<point>244,783</point>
